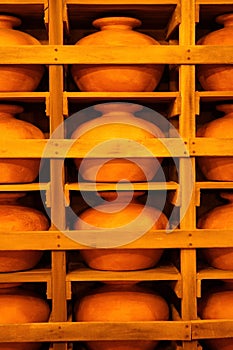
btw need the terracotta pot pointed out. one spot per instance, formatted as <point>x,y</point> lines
<point>15,170</point>
<point>217,76</point>
<point>219,218</point>
<point>218,305</point>
<point>121,303</point>
<point>218,168</point>
<point>114,215</point>
<point>117,31</point>
<point>21,306</point>
<point>17,77</point>
<point>117,122</point>
<point>13,218</point>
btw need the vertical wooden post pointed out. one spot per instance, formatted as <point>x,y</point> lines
<point>187,130</point>
<point>59,309</point>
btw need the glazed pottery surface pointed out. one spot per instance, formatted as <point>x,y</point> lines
<point>218,76</point>
<point>117,31</point>
<point>117,128</point>
<point>121,303</point>
<point>219,218</point>
<point>218,168</point>
<point>117,215</point>
<point>17,77</point>
<point>15,218</point>
<point>19,170</point>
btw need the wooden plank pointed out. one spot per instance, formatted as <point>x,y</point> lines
<point>211,273</point>
<point>214,2</point>
<point>161,273</point>
<point>121,2</point>
<point>213,185</point>
<point>24,96</point>
<point>152,186</point>
<point>213,329</point>
<point>59,148</point>
<point>201,146</point>
<point>23,2</point>
<point>56,240</point>
<point>67,331</point>
<point>209,96</point>
<point>36,275</point>
<point>25,187</point>
<point>145,96</point>
<point>152,54</point>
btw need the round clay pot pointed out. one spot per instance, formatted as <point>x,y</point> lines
<point>114,215</point>
<point>218,305</point>
<point>13,218</point>
<point>218,168</point>
<point>15,170</point>
<point>117,31</point>
<point>21,306</point>
<point>217,76</point>
<point>17,77</point>
<point>219,218</point>
<point>117,122</point>
<point>121,303</point>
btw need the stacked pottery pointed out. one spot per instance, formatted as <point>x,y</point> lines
<point>17,77</point>
<point>219,218</point>
<point>21,306</point>
<point>117,31</point>
<point>15,170</point>
<point>121,302</point>
<point>120,220</point>
<point>218,168</point>
<point>13,218</point>
<point>117,128</point>
<point>218,76</point>
<point>218,304</point>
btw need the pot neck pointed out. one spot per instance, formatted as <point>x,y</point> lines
<point>228,196</point>
<point>226,20</point>
<point>227,109</point>
<point>8,22</point>
<point>119,23</point>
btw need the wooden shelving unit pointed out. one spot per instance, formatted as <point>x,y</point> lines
<point>177,24</point>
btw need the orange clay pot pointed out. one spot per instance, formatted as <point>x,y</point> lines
<point>15,218</point>
<point>218,168</point>
<point>217,76</point>
<point>17,170</point>
<point>218,305</point>
<point>219,218</point>
<point>121,303</point>
<point>21,306</point>
<point>17,77</point>
<point>117,31</point>
<point>113,215</point>
<point>117,122</point>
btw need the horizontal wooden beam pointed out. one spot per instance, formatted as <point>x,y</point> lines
<point>81,331</point>
<point>152,54</point>
<point>56,240</point>
<point>204,329</point>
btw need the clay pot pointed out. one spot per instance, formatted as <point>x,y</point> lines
<point>218,168</point>
<point>217,76</point>
<point>219,218</point>
<point>13,218</point>
<point>218,305</point>
<point>15,170</point>
<point>117,122</point>
<point>117,31</point>
<point>17,77</point>
<point>119,214</point>
<point>21,306</point>
<point>121,303</point>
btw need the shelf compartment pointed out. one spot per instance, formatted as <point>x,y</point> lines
<point>211,273</point>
